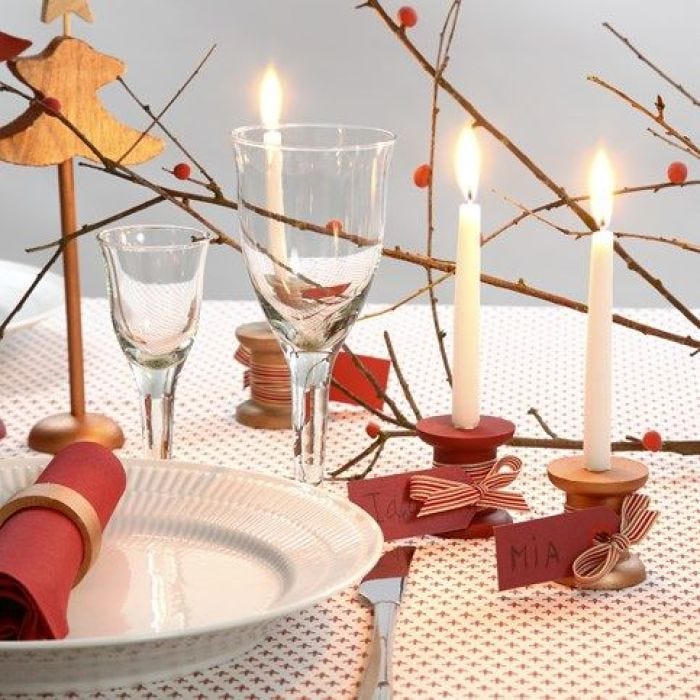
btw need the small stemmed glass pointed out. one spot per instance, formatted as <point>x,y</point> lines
<point>155,276</point>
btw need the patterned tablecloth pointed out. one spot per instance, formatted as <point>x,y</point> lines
<point>457,636</point>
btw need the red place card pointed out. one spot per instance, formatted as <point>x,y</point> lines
<point>346,373</point>
<point>386,499</point>
<point>546,548</point>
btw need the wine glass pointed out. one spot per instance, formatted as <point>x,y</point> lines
<point>312,202</point>
<point>155,276</point>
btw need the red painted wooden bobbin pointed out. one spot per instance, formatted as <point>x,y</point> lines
<point>474,450</point>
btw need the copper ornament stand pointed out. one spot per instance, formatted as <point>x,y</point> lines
<point>53,433</point>
<point>475,450</point>
<point>68,71</point>
<point>586,489</point>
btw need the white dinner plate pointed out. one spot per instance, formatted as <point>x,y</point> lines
<point>195,563</point>
<point>15,279</point>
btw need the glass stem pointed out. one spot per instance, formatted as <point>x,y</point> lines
<point>310,375</point>
<point>157,390</point>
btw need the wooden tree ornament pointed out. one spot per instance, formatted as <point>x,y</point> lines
<point>70,72</point>
<point>55,8</point>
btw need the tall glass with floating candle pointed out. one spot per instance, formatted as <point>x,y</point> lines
<point>312,208</point>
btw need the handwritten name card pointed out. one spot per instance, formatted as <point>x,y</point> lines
<point>386,499</point>
<point>546,548</point>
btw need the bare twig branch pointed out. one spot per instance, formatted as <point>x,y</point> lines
<point>367,469</point>
<point>23,299</point>
<point>681,447</point>
<point>675,242</point>
<point>670,130</point>
<point>656,283</point>
<point>443,56</point>
<point>399,375</point>
<point>481,121</point>
<point>521,287</point>
<point>398,413</point>
<point>406,299</point>
<point>651,65</point>
<point>155,119</point>
<point>89,228</point>
<point>357,458</point>
<point>536,414</point>
<point>360,402</point>
<point>558,203</point>
<point>670,142</point>
<point>378,445</point>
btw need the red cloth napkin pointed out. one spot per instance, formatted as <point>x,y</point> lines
<point>41,549</point>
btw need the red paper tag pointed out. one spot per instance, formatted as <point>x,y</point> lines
<point>546,548</point>
<point>346,373</point>
<point>386,499</point>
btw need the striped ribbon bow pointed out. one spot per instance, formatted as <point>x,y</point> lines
<point>635,521</point>
<point>440,495</point>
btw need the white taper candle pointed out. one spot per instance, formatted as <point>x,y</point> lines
<point>467,308</point>
<point>270,110</point>
<point>598,382</point>
<point>598,401</point>
<point>467,319</point>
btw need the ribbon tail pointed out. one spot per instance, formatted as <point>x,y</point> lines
<point>509,501</point>
<point>596,562</point>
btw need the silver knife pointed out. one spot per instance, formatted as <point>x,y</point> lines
<point>382,588</point>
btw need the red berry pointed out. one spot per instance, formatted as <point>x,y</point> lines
<point>422,175</point>
<point>408,17</point>
<point>3,430</point>
<point>373,430</point>
<point>677,172</point>
<point>182,171</point>
<point>652,441</point>
<point>51,104</point>
<point>334,226</point>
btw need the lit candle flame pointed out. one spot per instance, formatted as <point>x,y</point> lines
<point>270,98</point>
<point>601,189</point>
<point>468,163</point>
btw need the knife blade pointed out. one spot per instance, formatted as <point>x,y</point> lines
<point>382,587</point>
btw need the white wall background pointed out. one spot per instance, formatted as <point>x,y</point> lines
<point>523,63</point>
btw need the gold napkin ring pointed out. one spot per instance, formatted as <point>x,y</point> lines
<point>70,503</point>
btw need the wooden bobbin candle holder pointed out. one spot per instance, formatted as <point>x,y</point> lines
<point>586,489</point>
<point>261,410</point>
<point>474,450</point>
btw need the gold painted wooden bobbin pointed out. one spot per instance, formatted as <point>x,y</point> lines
<point>587,489</point>
<point>68,502</point>
<point>265,350</point>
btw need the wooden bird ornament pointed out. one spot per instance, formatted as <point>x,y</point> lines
<point>71,71</point>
